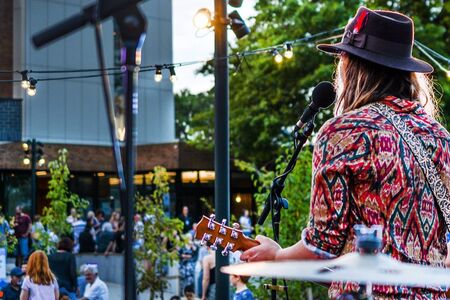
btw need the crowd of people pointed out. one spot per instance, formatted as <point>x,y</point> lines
<point>37,276</point>
<point>97,234</point>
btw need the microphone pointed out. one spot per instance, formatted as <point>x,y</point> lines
<point>89,14</point>
<point>323,96</point>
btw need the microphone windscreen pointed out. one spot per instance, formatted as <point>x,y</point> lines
<point>323,94</point>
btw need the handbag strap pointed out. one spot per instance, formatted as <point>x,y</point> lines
<point>438,188</point>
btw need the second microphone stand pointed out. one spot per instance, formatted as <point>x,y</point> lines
<point>275,202</point>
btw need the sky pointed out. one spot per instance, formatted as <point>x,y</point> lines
<point>191,45</point>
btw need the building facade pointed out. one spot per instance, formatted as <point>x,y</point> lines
<point>71,114</point>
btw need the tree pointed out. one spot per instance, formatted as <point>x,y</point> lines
<point>266,98</point>
<point>159,231</point>
<point>54,216</point>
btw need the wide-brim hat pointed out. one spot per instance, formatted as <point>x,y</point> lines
<point>382,37</point>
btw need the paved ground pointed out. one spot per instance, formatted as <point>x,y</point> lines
<point>116,293</point>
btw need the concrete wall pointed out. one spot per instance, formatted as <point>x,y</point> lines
<point>73,111</point>
<point>111,269</point>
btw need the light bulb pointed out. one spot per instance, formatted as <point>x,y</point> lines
<point>173,75</point>
<point>202,18</point>
<point>277,56</point>
<point>289,53</point>
<point>26,161</point>
<point>25,84</point>
<point>158,75</point>
<point>25,81</point>
<point>41,161</point>
<point>31,91</point>
<point>25,146</point>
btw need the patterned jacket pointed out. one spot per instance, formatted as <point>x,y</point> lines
<point>364,173</point>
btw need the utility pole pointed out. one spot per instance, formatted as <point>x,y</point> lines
<point>222,137</point>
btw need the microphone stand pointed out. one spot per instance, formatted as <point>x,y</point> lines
<point>275,202</point>
<point>132,27</point>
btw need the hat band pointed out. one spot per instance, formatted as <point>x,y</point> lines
<point>376,44</point>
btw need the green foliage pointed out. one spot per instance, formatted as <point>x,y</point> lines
<point>54,216</point>
<point>294,219</point>
<point>192,121</point>
<point>266,97</point>
<point>157,232</point>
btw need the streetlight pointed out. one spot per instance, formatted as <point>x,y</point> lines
<point>220,23</point>
<point>203,19</point>
<point>33,154</point>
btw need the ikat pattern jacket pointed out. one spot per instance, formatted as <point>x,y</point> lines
<point>364,173</point>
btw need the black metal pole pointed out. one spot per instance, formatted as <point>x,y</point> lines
<point>132,26</point>
<point>221,137</point>
<point>33,176</point>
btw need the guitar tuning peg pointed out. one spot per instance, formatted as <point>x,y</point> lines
<point>234,234</point>
<point>227,249</point>
<point>206,237</point>
<point>222,229</point>
<point>211,225</point>
<point>216,243</point>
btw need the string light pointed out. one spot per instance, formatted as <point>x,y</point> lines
<point>173,75</point>
<point>158,74</point>
<point>26,161</point>
<point>288,53</point>
<point>277,56</point>
<point>41,161</point>
<point>31,91</point>
<point>274,50</point>
<point>25,82</point>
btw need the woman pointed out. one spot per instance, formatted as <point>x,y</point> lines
<point>188,256</point>
<point>39,283</point>
<point>63,264</point>
<point>364,171</point>
<point>209,276</point>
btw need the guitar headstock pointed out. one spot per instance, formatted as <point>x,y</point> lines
<point>216,234</point>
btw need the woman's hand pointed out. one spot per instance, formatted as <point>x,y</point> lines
<point>267,250</point>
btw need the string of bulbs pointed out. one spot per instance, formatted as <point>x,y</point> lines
<point>279,52</point>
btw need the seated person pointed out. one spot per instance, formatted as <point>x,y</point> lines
<point>13,289</point>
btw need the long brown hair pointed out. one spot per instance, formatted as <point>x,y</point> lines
<point>360,82</point>
<point>38,269</point>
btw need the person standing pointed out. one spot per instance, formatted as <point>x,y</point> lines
<point>96,289</point>
<point>209,277</point>
<point>13,289</point>
<point>246,223</point>
<point>63,265</point>
<point>186,219</point>
<point>364,167</point>
<point>5,230</point>
<point>39,283</point>
<point>22,230</point>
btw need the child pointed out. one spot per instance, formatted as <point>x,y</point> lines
<point>240,283</point>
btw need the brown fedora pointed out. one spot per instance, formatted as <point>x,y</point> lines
<point>382,37</point>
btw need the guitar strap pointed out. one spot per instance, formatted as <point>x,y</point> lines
<point>438,188</point>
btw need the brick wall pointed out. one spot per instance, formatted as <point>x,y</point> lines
<point>10,120</point>
<point>6,46</point>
